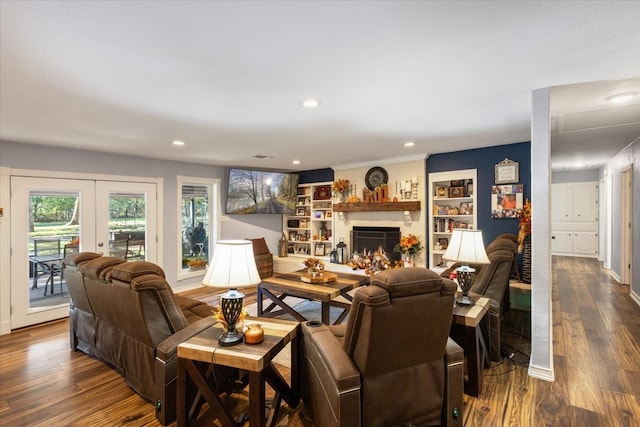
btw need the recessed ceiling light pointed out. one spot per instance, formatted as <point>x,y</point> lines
<point>409,144</point>
<point>178,142</point>
<point>310,103</point>
<point>296,162</point>
<point>621,98</point>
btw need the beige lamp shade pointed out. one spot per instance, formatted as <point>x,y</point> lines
<point>233,265</point>
<point>466,246</point>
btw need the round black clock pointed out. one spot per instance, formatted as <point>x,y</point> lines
<point>375,177</point>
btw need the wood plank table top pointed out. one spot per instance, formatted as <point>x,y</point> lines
<point>471,315</point>
<point>204,346</point>
<point>292,284</point>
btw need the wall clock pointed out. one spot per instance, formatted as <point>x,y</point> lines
<point>375,177</point>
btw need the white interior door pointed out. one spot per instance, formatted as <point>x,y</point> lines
<point>47,216</point>
<point>126,223</point>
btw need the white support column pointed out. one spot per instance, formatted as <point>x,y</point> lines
<point>541,361</point>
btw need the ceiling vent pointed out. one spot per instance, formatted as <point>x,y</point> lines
<point>262,156</point>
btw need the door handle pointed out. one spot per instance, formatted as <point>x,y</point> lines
<point>553,237</point>
<point>100,244</point>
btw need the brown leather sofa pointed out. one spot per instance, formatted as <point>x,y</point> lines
<point>125,314</point>
<point>492,281</point>
<point>393,363</point>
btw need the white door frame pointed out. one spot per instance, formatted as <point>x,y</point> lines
<point>626,232</point>
<point>6,218</point>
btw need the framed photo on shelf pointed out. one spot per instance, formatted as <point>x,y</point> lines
<point>317,215</point>
<point>456,191</point>
<point>444,242</point>
<point>507,171</point>
<point>304,223</point>
<point>319,250</point>
<point>441,191</point>
<point>464,209</point>
<point>300,212</point>
<point>328,214</point>
<point>293,235</point>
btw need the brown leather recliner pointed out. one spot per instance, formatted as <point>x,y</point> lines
<point>393,363</point>
<point>492,281</point>
<point>126,314</point>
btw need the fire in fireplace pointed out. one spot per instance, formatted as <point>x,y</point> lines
<point>371,238</point>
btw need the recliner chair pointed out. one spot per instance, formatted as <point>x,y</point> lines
<point>393,363</point>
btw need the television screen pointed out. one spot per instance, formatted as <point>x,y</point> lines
<point>261,192</point>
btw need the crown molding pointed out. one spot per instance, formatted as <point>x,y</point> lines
<point>413,157</point>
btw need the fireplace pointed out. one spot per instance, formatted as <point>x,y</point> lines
<point>371,238</point>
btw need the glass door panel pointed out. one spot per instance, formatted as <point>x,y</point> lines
<point>51,218</point>
<point>126,220</point>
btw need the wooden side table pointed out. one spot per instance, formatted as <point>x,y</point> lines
<point>473,319</point>
<point>256,359</point>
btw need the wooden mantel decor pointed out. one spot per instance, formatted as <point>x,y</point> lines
<point>413,205</point>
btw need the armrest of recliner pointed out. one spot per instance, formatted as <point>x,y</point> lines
<point>330,380</point>
<point>168,348</point>
<point>454,383</point>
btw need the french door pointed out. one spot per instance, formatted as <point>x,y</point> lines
<point>52,217</point>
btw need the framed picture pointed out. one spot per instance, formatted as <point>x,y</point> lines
<point>293,223</point>
<point>304,223</point>
<point>319,251</point>
<point>506,200</point>
<point>461,224</point>
<point>464,209</point>
<point>328,214</point>
<point>444,242</point>
<point>441,191</point>
<point>293,235</point>
<point>317,215</point>
<point>507,171</point>
<point>456,192</point>
<point>300,212</point>
<point>457,182</point>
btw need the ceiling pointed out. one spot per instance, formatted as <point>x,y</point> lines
<point>228,78</point>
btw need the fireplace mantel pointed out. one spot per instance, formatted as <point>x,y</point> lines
<point>413,205</point>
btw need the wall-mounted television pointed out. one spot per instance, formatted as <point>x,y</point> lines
<point>261,192</point>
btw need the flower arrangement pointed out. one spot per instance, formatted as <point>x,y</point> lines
<point>409,245</point>
<point>340,186</point>
<point>524,229</point>
<point>313,265</point>
<point>219,316</point>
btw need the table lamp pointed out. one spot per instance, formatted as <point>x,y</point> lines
<point>466,247</point>
<point>233,267</point>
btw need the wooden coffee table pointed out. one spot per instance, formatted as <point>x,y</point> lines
<point>203,349</point>
<point>474,321</point>
<point>280,286</point>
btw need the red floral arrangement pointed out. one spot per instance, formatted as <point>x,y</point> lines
<point>524,228</point>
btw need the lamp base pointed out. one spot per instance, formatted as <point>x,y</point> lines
<point>230,338</point>
<point>465,300</point>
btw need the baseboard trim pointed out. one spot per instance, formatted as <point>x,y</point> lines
<point>635,297</point>
<point>614,276</point>
<point>541,373</point>
<point>5,328</point>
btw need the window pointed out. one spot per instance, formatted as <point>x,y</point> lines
<point>198,224</point>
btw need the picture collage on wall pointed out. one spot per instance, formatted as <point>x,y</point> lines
<point>506,200</point>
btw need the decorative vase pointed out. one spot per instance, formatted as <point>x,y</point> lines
<point>408,260</point>
<point>339,197</point>
<point>526,260</point>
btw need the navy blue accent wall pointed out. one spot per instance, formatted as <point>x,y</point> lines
<point>484,160</point>
<point>315,175</point>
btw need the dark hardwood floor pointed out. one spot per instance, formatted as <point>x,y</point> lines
<point>596,332</point>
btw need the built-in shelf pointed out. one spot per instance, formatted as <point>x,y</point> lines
<point>413,205</point>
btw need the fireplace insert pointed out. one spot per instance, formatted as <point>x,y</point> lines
<point>371,238</point>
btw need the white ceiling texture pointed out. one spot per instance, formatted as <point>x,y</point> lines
<point>228,78</point>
